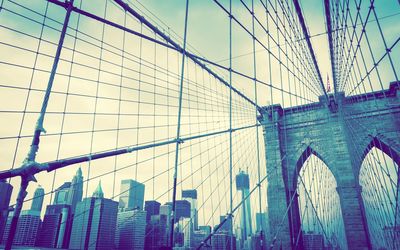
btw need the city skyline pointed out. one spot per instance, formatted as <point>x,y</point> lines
<point>63,227</point>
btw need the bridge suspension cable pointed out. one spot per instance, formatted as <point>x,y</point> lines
<point>112,89</point>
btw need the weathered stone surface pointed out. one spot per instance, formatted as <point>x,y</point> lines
<point>341,139</point>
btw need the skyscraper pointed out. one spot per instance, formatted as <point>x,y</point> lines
<point>198,237</point>
<point>27,228</point>
<point>182,209</point>
<point>37,201</point>
<point>152,208</point>
<point>201,234</point>
<point>7,227</point>
<point>242,185</point>
<point>222,241</point>
<point>61,194</point>
<point>5,191</point>
<point>157,232</point>
<point>131,228</point>
<point>262,222</point>
<point>191,196</point>
<point>54,232</point>
<point>227,227</point>
<point>132,194</point>
<point>186,227</point>
<point>166,210</point>
<point>94,222</point>
<point>75,192</point>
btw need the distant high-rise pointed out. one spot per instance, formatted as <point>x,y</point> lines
<point>242,185</point>
<point>98,193</point>
<point>7,227</point>
<point>94,222</point>
<point>76,190</point>
<point>157,232</point>
<point>206,229</point>
<point>201,234</point>
<point>191,196</point>
<point>227,227</point>
<point>189,193</point>
<point>5,191</point>
<point>37,201</point>
<point>27,228</point>
<point>61,194</point>
<point>258,241</point>
<point>198,238</point>
<point>152,208</point>
<point>166,210</point>
<point>131,229</point>
<point>262,222</point>
<point>186,227</point>
<point>132,195</point>
<point>55,229</point>
<point>222,241</point>
<point>182,209</point>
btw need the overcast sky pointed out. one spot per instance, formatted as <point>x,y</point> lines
<point>113,115</point>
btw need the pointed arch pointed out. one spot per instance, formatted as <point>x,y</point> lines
<point>308,151</point>
<point>379,179</point>
<point>318,206</point>
<point>390,151</point>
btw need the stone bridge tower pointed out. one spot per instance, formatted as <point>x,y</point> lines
<point>340,133</point>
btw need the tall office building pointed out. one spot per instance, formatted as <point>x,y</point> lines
<point>198,238</point>
<point>27,228</point>
<point>261,222</point>
<point>5,191</point>
<point>206,229</point>
<point>242,185</point>
<point>263,225</point>
<point>131,229</point>
<point>157,232</point>
<point>7,227</point>
<point>191,196</point>
<point>258,241</point>
<point>37,201</point>
<point>75,192</point>
<point>222,241</point>
<point>201,234</point>
<point>186,227</point>
<point>61,194</point>
<point>132,195</point>
<point>182,209</point>
<point>94,222</point>
<point>227,227</point>
<point>152,208</point>
<point>56,226</point>
<point>167,210</point>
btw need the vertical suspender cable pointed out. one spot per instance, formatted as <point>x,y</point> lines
<point>178,130</point>
<point>30,158</point>
<point>256,111</point>
<point>230,126</point>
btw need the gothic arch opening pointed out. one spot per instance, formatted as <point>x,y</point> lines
<point>318,202</point>
<point>379,179</point>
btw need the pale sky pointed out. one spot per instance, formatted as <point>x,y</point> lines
<point>204,163</point>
